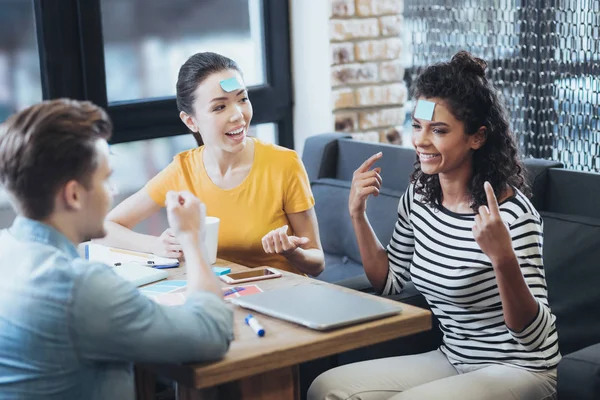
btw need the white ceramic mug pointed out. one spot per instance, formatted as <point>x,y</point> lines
<point>211,241</point>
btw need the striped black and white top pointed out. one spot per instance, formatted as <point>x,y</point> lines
<point>437,251</point>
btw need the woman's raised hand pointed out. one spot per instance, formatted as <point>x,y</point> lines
<point>365,182</point>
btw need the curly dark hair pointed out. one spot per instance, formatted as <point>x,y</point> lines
<point>462,84</point>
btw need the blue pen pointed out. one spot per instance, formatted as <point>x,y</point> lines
<point>165,266</point>
<point>255,325</point>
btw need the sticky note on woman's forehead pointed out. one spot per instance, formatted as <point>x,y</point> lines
<point>231,84</point>
<point>424,110</point>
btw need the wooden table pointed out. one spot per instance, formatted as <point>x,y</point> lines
<point>267,367</point>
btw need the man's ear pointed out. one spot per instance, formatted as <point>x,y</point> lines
<point>188,121</point>
<point>479,138</point>
<point>72,195</point>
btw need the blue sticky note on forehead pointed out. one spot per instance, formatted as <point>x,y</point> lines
<point>231,84</point>
<point>424,110</point>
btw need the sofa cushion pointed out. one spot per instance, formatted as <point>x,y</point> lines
<point>396,164</point>
<point>572,265</point>
<point>335,226</point>
<point>339,268</point>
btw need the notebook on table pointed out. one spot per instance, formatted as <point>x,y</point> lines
<point>116,257</point>
<point>140,275</point>
<point>132,268</point>
<point>317,306</point>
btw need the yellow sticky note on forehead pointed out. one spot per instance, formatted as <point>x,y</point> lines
<point>424,110</point>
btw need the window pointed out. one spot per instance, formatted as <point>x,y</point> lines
<point>265,132</point>
<point>146,41</point>
<point>20,81</point>
<point>125,55</point>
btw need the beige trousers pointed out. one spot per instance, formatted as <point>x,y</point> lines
<point>431,376</point>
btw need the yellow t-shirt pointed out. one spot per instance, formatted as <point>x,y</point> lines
<point>276,185</point>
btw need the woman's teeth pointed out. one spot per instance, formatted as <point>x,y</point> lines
<point>428,156</point>
<point>236,132</point>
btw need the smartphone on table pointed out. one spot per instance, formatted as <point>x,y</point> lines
<point>250,276</point>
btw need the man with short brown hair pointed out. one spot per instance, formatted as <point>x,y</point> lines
<point>69,328</point>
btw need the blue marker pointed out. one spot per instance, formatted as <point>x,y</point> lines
<point>255,325</point>
<point>221,270</point>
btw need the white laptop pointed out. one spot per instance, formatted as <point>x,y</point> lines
<point>317,306</point>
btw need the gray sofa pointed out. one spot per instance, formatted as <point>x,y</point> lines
<point>569,205</point>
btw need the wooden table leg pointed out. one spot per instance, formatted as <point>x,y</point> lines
<point>145,383</point>
<point>279,384</point>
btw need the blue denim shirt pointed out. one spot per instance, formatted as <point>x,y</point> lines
<point>70,329</point>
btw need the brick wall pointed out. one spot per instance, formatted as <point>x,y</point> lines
<point>366,73</point>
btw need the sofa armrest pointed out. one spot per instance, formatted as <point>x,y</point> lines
<point>579,374</point>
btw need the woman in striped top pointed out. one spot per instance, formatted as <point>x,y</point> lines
<point>471,242</point>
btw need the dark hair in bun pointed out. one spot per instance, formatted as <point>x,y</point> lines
<point>462,85</point>
<point>465,62</point>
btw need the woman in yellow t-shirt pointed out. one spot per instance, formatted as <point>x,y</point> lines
<point>259,191</point>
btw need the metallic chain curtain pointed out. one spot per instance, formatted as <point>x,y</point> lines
<point>544,55</point>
